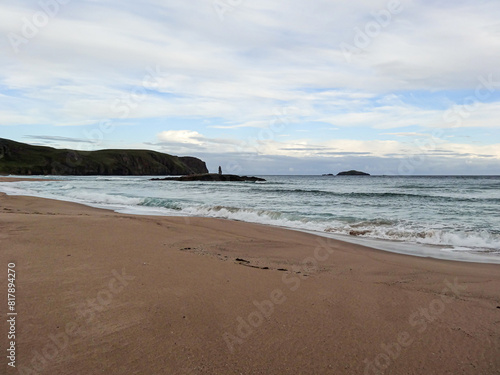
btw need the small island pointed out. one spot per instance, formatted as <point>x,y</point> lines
<point>353,173</point>
<point>210,177</point>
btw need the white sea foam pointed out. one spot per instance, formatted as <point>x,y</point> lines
<point>103,198</point>
<point>115,178</point>
<point>472,241</point>
<point>70,193</point>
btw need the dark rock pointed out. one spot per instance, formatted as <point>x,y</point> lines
<point>358,232</point>
<point>242,260</point>
<point>210,177</point>
<point>353,173</point>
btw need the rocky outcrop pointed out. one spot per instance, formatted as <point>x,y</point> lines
<point>353,173</point>
<point>23,159</point>
<point>210,177</point>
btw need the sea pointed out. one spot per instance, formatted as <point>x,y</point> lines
<point>445,217</point>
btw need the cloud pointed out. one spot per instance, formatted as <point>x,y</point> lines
<point>407,134</point>
<point>249,124</point>
<point>190,141</point>
<point>182,136</point>
<point>162,64</point>
<point>59,139</point>
<point>250,73</point>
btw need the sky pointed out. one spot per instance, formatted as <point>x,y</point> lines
<point>397,87</point>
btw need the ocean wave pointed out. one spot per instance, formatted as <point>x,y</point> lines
<point>103,198</point>
<point>472,240</point>
<point>376,195</point>
<point>381,229</point>
<point>115,178</point>
<point>267,217</point>
<point>160,202</point>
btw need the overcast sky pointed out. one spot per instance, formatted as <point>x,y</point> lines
<point>259,86</point>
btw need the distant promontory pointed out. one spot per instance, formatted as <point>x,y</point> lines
<point>24,159</point>
<point>353,173</point>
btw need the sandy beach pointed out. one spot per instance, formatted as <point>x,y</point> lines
<point>101,292</point>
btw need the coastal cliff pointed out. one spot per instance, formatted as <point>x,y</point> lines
<point>24,159</point>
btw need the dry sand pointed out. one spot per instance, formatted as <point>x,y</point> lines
<point>106,293</point>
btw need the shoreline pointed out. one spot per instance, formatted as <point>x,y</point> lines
<point>20,179</point>
<point>391,246</point>
<point>152,294</point>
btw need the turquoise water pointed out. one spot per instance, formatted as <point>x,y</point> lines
<point>446,217</point>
